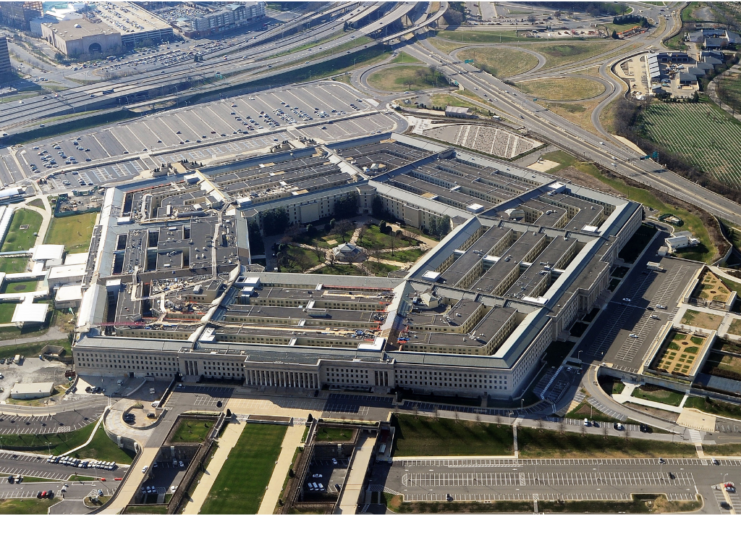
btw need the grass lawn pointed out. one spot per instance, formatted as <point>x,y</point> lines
<point>420,436</point>
<point>404,58</point>
<point>102,448</point>
<point>6,312</point>
<point>500,62</point>
<point>380,269</point>
<point>241,484</point>
<point>27,506</point>
<point>20,287</point>
<point>692,222</point>
<point>334,434</point>
<point>298,260</point>
<point>192,430</point>
<point>403,255</point>
<point>714,407</point>
<point>577,113</point>
<point>657,394</point>
<point>474,36</point>
<point>151,509</point>
<point>339,270</point>
<point>585,410</point>
<point>33,348</point>
<point>534,443</point>
<point>562,53</point>
<point>401,78</point>
<point>13,265</point>
<point>703,320</point>
<point>722,362</point>
<point>371,238</point>
<point>74,232</point>
<point>59,443</point>
<point>562,89</point>
<point>722,450</point>
<point>18,239</point>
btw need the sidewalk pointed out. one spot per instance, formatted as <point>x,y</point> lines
<point>231,435</point>
<point>626,397</point>
<point>291,440</point>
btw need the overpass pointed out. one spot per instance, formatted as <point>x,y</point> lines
<point>430,19</point>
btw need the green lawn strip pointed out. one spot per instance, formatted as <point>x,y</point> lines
<point>18,239</point>
<point>241,484</point>
<point>585,410</point>
<point>192,430</point>
<point>31,478</point>
<point>339,270</point>
<point>404,58</point>
<point>333,434</point>
<point>641,504</point>
<point>395,504</point>
<point>150,509</point>
<point>78,478</point>
<point>691,221</point>
<point>722,450</point>
<point>658,394</point>
<point>473,36</point>
<point>6,312</point>
<point>421,436</point>
<point>714,407</point>
<point>540,443</point>
<point>27,506</point>
<point>33,348</point>
<point>13,265</point>
<point>74,232</point>
<point>403,255</point>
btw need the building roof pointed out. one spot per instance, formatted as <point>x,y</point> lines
<point>70,292</point>
<point>48,252</point>
<point>74,259</point>
<point>79,28</point>
<point>30,313</point>
<point>42,389</point>
<point>456,109</point>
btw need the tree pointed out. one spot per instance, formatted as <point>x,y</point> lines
<point>531,19</point>
<point>275,221</point>
<point>615,34</point>
<point>255,237</point>
<point>377,209</point>
<point>343,227</point>
<point>310,229</point>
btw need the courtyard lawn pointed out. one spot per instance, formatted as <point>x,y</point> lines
<point>380,269</point>
<point>298,260</point>
<point>403,256</point>
<point>371,239</point>
<point>22,239</point>
<point>421,436</point>
<point>334,434</point>
<point>74,232</point>
<point>6,312</point>
<point>241,484</point>
<point>657,394</point>
<point>13,265</point>
<point>20,287</point>
<point>192,430</point>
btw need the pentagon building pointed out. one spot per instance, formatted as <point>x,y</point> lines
<point>171,286</point>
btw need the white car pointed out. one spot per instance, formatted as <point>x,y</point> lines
<point>634,336</point>
<point>145,468</point>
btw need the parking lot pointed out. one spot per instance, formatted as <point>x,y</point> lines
<point>225,127</point>
<point>37,466</point>
<point>48,424</point>
<point>163,477</point>
<point>634,311</point>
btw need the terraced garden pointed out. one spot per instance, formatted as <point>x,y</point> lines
<point>702,133</point>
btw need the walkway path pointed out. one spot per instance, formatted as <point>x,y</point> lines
<point>712,90</point>
<point>92,434</point>
<point>287,450</point>
<point>229,438</point>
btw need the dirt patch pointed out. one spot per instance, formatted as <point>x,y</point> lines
<point>702,320</point>
<point>652,411</point>
<point>585,180</point>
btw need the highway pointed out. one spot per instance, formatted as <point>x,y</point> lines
<point>220,67</point>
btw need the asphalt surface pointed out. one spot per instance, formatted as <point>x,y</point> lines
<point>589,479</point>
<point>51,422</point>
<point>36,465</point>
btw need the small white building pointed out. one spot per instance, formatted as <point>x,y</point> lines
<point>29,391</point>
<point>29,313</point>
<point>49,255</point>
<point>68,296</point>
<point>66,274</point>
<point>679,241</point>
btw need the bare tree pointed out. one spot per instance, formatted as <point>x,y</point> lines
<point>562,426</point>
<point>499,420</point>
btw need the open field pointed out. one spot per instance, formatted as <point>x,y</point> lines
<point>577,113</point>
<point>501,62</point>
<point>241,484</point>
<point>691,220</point>
<point>73,232</point>
<point>402,77</point>
<point>419,436</point>
<point>404,58</point>
<point>192,431</point>
<point>562,88</point>
<point>568,52</point>
<point>18,239</point>
<point>479,36</point>
<point>705,135</point>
